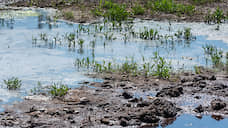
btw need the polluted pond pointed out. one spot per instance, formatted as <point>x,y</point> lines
<point>136,73</point>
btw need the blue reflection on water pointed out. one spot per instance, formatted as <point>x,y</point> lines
<point>190,121</point>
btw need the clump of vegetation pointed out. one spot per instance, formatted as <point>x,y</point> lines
<point>158,67</point>
<point>216,17</point>
<point>149,34</point>
<point>227,62</point>
<point>58,90</point>
<point>13,83</point>
<point>199,2</point>
<point>117,13</point>
<point>71,40</point>
<point>215,55</point>
<point>68,15</point>
<point>169,6</point>
<point>138,10</point>
<point>197,69</point>
<point>162,68</point>
<point>43,36</point>
<point>187,33</point>
<point>97,12</point>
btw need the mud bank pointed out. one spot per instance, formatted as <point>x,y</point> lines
<point>84,11</point>
<point>124,101</point>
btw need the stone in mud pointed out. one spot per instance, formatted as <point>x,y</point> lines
<point>72,96</point>
<point>105,121</point>
<point>37,98</point>
<point>217,104</point>
<point>213,77</point>
<point>172,92</point>
<point>123,122</point>
<point>219,85</point>
<point>185,79</point>
<point>187,84</point>
<point>134,100</point>
<point>143,104</point>
<point>198,78</point>
<point>148,117</point>
<point>199,109</point>
<point>197,97</point>
<point>164,108</point>
<point>122,84</point>
<point>108,86</point>
<point>127,95</point>
<point>84,101</point>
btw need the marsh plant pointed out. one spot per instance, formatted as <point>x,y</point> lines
<point>71,40</point>
<point>169,6</point>
<point>58,90</point>
<point>68,15</point>
<point>215,54</point>
<point>187,33</point>
<point>39,89</point>
<point>162,67</point>
<point>158,66</point>
<point>13,83</point>
<point>138,10</point>
<point>216,17</point>
<point>117,13</point>
<point>149,34</point>
<point>43,37</point>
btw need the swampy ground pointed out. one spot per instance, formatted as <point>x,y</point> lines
<point>123,100</point>
<point>123,97</point>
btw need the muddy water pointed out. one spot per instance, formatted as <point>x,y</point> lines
<point>53,61</point>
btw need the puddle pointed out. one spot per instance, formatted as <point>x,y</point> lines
<point>52,61</point>
<point>190,121</point>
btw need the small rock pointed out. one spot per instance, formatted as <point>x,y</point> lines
<point>105,121</point>
<point>127,95</point>
<point>197,97</point>
<point>134,100</point>
<point>103,85</point>
<point>121,84</point>
<point>213,77</point>
<point>199,109</point>
<point>123,122</point>
<point>197,78</point>
<point>164,108</point>
<point>148,117</point>
<point>143,104</point>
<point>171,91</point>
<point>37,98</point>
<point>84,101</point>
<point>217,104</point>
<point>106,82</point>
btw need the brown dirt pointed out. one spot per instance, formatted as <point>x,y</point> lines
<point>82,10</point>
<point>123,100</point>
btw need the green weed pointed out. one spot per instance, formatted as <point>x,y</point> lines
<point>138,10</point>
<point>187,33</point>
<point>215,55</point>
<point>149,34</point>
<point>13,83</point>
<point>162,68</point>
<point>216,17</point>
<point>117,13</point>
<point>58,90</point>
<point>68,15</point>
<point>169,6</point>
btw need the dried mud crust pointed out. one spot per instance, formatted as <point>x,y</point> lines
<point>122,101</point>
<point>83,11</point>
